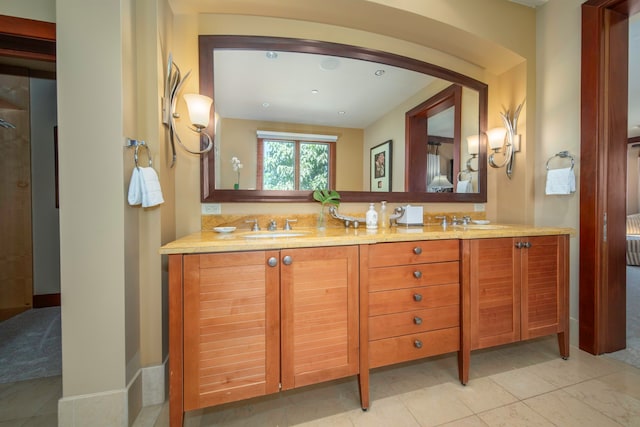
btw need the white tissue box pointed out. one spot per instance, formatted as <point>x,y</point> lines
<point>412,216</point>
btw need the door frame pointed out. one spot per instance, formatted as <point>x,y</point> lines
<point>604,85</point>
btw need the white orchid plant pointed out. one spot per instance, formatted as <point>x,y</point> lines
<point>237,165</point>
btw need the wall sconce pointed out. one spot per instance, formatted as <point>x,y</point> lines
<point>505,140</point>
<point>473,147</point>
<point>440,184</point>
<point>198,106</point>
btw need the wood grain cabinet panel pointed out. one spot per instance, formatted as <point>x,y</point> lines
<point>514,289</point>
<point>319,315</point>
<point>231,328</point>
<point>246,324</point>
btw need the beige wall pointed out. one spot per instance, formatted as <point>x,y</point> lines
<point>40,10</point>
<point>558,124</point>
<point>94,226</point>
<point>240,137</point>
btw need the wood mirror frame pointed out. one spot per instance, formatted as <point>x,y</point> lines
<point>209,194</point>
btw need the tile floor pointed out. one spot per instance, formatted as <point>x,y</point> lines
<point>524,384</point>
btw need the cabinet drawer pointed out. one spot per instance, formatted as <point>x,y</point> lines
<point>401,253</point>
<point>406,276</point>
<point>411,322</point>
<point>415,346</point>
<point>411,299</point>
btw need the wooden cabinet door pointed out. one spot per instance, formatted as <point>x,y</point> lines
<point>231,327</point>
<point>494,291</point>
<point>319,314</point>
<point>544,286</point>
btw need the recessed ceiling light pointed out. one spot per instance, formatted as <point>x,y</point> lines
<point>271,54</point>
<point>330,64</point>
<point>315,91</point>
<point>342,113</point>
<point>266,104</point>
<point>379,72</point>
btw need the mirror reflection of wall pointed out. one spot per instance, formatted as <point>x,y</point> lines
<point>241,141</point>
<point>362,102</point>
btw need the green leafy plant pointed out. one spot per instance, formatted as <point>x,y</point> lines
<point>331,197</point>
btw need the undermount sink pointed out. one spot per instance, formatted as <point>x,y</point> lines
<point>483,226</point>
<point>274,234</point>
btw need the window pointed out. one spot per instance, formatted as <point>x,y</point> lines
<point>285,164</point>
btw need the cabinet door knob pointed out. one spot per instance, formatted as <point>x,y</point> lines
<point>287,260</point>
<point>417,297</point>
<point>417,320</point>
<point>417,274</point>
<point>527,245</point>
<point>417,344</point>
<point>273,261</point>
<point>417,250</point>
<point>519,245</point>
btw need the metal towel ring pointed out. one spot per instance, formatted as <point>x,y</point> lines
<point>135,154</point>
<point>563,155</point>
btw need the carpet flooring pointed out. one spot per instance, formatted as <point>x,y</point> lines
<point>30,345</point>
<point>631,354</point>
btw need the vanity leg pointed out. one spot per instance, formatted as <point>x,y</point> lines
<point>363,384</point>
<point>563,344</point>
<point>464,360</point>
<point>176,387</point>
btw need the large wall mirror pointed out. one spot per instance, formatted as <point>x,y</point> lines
<point>302,114</point>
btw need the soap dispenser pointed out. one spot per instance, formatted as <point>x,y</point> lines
<point>371,218</point>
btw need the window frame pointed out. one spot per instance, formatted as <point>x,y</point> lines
<point>298,142</point>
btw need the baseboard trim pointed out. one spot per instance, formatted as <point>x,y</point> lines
<point>153,384</point>
<point>46,300</point>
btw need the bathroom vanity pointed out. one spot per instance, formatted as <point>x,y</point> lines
<point>250,317</point>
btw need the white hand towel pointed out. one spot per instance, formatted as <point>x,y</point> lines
<point>135,191</point>
<point>151,191</point>
<point>464,186</point>
<point>560,181</point>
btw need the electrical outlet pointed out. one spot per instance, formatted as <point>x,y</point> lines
<point>478,207</point>
<point>211,209</point>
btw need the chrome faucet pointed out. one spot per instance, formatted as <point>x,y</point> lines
<point>272,225</point>
<point>255,226</point>
<point>444,220</point>
<point>287,223</point>
<point>461,221</point>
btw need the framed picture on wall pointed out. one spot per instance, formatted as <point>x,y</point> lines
<point>380,167</point>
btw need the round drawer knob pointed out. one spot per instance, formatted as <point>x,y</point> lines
<point>417,320</point>
<point>273,261</point>
<point>417,250</point>
<point>287,260</point>
<point>417,297</point>
<point>417,344</point>
<point>417,274</point>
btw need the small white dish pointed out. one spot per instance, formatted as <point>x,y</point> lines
<point>224,229</point>
<point>481,221</point>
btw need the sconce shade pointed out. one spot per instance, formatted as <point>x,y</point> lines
<point>440,183</point>
<point>199,107</point>
<point>473,144</point>
<point>496,137</point>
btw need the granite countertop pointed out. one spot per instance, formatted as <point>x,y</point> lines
<point>241,240</point>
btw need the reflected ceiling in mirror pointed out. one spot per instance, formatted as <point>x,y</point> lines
<point>291,87</point>
<point>342,92</point>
